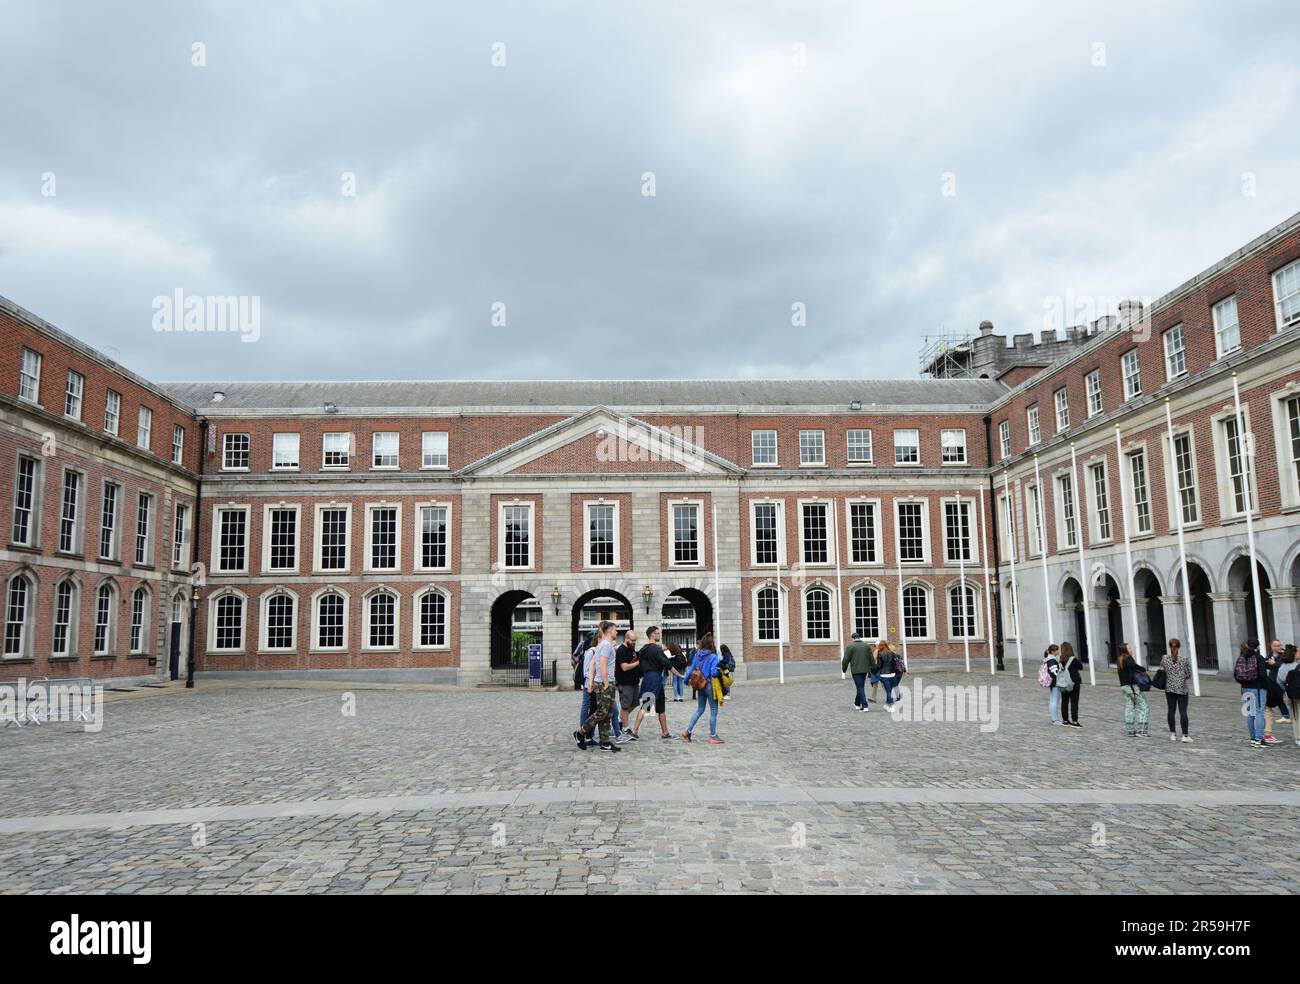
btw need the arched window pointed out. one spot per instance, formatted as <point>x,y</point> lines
<point>963,612</point>
<point>768,615</point>
<point>817,615</point>
<point>866,612</point>
<point>381,620</point>
<point>105,618</point>
<point>66,596</point>
<point>431,624</point>
<point>139,618</point>
<point>228,622</point>
<point>279,617</point>
<point>916,611</point>
<point>20,603</point>
<point>331,620</point>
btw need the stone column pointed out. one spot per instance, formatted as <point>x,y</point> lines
<point>1176,626</point>
<point>1224,628</point>
<point>727,613</point>
<point>645,519</point>
<point>555,529</point>
<point>1285,617</point>
<point>476,589</point>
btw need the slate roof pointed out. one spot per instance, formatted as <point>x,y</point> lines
<point>358,396</point>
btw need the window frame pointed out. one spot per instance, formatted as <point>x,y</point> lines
<point>877,539</point>
<point>615,533</point>
<point>417,559</point>
<point>264,620</point>
<point>778,506</point>
<point>700,546</point>
<point>820,435</point>
<point>446,450</point>
<point>29,380</point>
<point>318,539</point>
<point>268,532</point>
<point>218,509</point>
<point>776,458</point>
<point>1219,329</point>
<point>75,397</point>
<point>897,447</point>
<point>1170,353</point>
<point>396,452</point>
<point>370,509</point>
<point>1061,408</point>
<point>944,460</point>
<point>1278,297</point>
<point>1093,400</point>
<point>926,538</point>
<point>531,506</point>
<point>1130,368</point>
<point>227,451</point>
<point>417,619</point>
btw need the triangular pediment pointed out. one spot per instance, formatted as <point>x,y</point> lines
<point>601,441</point>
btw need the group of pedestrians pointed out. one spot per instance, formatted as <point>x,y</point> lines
<point>878,665</point>
<point>1270,689</point>
<point>619,680</point>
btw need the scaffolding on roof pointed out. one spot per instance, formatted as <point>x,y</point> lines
<point>947,355</point>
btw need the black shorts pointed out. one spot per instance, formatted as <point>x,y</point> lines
<point>652,685</point>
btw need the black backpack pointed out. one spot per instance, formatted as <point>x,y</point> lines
<point>579,658</point>
<point>1293,683</point>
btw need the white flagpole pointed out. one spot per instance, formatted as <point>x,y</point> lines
<point>780,598</point>
<point>963,544</point>
<point>988,590</point>
<point>902,625</point>
<point>717,584</point>
<point>1246,439</point>
<point>1182,548</point>
<point>1085,582</point>
<point>1042,545</point>
<point>1011,557</point>
<point>1128,543</point>
<point>839,581</point>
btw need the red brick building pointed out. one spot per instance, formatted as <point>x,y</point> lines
<point>425,530</point>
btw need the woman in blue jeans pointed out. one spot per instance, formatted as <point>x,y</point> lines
<point>705,660</point>
<point>676,656</point>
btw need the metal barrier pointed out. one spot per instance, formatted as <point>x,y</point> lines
<point>38,705</point>
<point>516,675</point>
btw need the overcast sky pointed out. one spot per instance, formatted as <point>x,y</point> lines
<point>802,154</point>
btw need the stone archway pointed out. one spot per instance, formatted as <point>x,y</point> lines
<point>1245,624</point>
<point>600,604</point>
<point>514,612</point>
<point>1112,626</point>
<point>1072,604</point>
<point>1151,615</point>
<point>1203,628</point>
<point>686,614</point>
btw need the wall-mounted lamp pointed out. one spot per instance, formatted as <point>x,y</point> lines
<point>647,593</point>
<point>555,599</point>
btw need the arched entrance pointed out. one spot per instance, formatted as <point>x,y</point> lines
<point>1245,625</point>
<point>1108,591</point>
<point>176,635</point>
<point>1207,656</point>
<point>516,622</point>
<point>686,615</point>
<point>600,605</point>
<point>1148,595</point>
<point>1072,602</point>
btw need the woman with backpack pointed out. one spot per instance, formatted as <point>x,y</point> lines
<point>1070,682</point>
<point>1288,675</point>
<point>889,671</point>
<point>1252,676</point>
<point>1047,674</point>
<point>700,675</point>
<point>1177,672</point>
<point>1135,701</point>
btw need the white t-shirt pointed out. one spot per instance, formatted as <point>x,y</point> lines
<point>603,651</point>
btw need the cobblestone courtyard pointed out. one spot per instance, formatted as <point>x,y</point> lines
<point>275,789</point>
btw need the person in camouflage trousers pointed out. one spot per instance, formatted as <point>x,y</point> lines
<point>600,684</point>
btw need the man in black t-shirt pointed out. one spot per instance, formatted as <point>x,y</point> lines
<point>627,676</point>
<point>655,667</point>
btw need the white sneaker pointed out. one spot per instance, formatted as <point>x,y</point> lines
<point>1173,737</point>
<point>624,738</point>
<point>1188,739</point>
